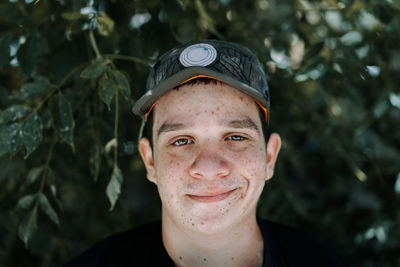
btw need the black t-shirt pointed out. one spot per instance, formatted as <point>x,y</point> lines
<point>142,246</point>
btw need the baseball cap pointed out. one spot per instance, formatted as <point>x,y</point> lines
<point>227,62</point>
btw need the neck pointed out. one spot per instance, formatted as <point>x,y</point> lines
<point>240,245</point>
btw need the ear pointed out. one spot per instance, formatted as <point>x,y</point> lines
<point>147,156</point>
<point>273,147</point>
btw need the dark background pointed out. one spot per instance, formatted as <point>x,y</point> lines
<point>69,69</point>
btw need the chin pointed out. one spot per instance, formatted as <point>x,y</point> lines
<point>209,227</point>
<point>213,221</point>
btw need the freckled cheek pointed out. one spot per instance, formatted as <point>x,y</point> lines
<point>169,165</point>
<point>251,156</point>
<point>174,170</point>
<point>169,190</point>
<point>252,167</point>
<point>170,177</point>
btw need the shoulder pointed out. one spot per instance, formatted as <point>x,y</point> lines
<point>297,248</point>
<point>122,248</point>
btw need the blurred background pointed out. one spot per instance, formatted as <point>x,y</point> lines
<point>70,72</point>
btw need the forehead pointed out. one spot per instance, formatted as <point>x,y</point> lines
<point>201,101</point>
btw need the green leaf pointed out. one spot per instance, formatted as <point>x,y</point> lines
<point>110,145</point>
<point>25,202</point>
<point>106,24</point>
<point>351,38</point>
<point>73,15</point>
<point>34,174</point>
<point>94,161</point>
<point>10,138</point>
<point>32,133</point>
<point>112,82</point>
<point>53,190</point>
<point>46,119</point>
<point>30,53</point>
<point>16,143</point>
<point>107,90</point>
<point>122,83</point>
<point>51,177</point>
<point>114,186</point>
<point>48,209</point>
<point>5,42</point>
<point>95,69</point>
<point>34,90</point>
<point>28,226</point>
<point>51,183</point>
<point>63,120</point>
<point>14,113</point>
<point>77,26</point>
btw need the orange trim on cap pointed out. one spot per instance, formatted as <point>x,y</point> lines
<point>197,76</point>
<point>265,111</point>
<point>148,112</point>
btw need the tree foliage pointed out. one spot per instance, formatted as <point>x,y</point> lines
<point>71,71</point>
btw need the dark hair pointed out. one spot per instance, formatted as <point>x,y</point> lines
<point>148,128</point>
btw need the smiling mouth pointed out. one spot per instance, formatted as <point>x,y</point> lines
<point>214,197</point>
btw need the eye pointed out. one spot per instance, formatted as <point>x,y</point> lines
<point>182,142</point>
<point>236,138</point>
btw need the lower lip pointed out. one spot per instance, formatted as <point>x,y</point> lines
<point>214,198</point>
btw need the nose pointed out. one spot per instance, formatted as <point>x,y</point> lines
<point>209,164</point>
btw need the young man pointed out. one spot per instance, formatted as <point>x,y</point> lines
<point>209,152</point>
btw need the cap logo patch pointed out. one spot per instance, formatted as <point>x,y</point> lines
<point>198,55</point>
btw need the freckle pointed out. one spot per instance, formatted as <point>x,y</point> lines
<point>204,259</point>
<point>232,258</point>
<point>180,257</point>
<point>192,224</point>
<point>229,203</point>
<point>212,112</point>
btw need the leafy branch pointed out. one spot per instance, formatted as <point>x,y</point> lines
<point>94,44</point>
<point>111,82</point>
<point>116,119</point>
<point>129,58</point>
<point>47,164</point>
<point>28,225</point>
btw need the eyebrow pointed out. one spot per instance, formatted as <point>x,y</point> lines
<point>239,124</point>
<point>168,127</point>
<point>245,123</point>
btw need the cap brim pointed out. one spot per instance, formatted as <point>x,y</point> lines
<point>143,104</point>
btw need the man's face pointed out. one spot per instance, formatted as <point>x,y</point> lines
<point>209,159</point>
